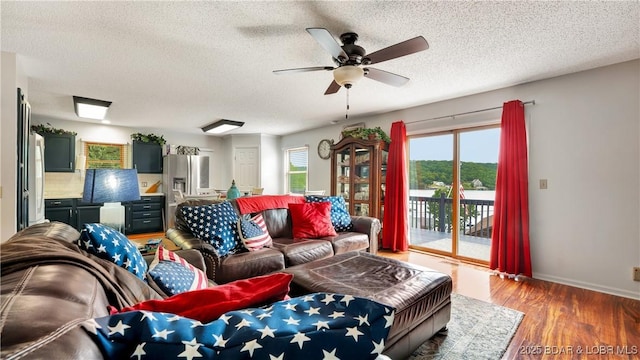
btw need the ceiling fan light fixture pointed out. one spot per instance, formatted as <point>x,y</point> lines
<point>221,126</point>
<point>348,75</point>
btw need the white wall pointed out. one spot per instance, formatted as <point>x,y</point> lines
<point>319,169</point>
<point>11,78</point>
<point>584,134</point>
<point>271,163</point>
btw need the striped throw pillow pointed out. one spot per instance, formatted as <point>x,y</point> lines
<point>253,233</point>
<point>174,275</point>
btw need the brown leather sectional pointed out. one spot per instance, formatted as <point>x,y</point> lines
<point>285,251</point>
<point>422,297</point>
<point>49,286</point>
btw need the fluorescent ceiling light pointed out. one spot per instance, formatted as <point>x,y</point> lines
<point>221,126</point>
<point>90,108</point>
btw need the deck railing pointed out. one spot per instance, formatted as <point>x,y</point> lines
<point>435,213</point>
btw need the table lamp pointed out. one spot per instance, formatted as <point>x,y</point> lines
<point>111,186</point>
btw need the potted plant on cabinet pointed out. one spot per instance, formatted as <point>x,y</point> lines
<point>148,138</point>
<point>375,133</point>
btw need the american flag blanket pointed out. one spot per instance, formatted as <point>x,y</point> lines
<point>316,326</point>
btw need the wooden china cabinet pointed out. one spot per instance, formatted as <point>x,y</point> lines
<point>358,174</point>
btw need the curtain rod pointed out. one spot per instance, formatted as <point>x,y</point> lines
<point>532,102</point>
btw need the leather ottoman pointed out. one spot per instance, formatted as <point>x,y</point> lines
<point>421,296</point>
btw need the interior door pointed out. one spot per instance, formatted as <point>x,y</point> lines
<point>246,168</point>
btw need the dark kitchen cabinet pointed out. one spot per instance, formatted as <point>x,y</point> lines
<point>59,152</point>
<point>147,157</point>
<point>60,210</point>
<point>145,215</point>
<point>141,216</point>
<point>86,213</point>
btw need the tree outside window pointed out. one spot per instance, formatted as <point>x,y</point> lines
<point>297,170</point>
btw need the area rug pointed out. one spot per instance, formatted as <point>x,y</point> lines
<point>477,330</point>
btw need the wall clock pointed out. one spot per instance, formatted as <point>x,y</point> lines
<point>324,148</point>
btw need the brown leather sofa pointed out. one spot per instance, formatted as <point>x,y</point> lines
<point>49,286</point>
<point>284,252</point>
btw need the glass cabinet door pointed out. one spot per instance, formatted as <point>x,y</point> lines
<point>361,180</point>
<point>383,181</point>
<point>358,172</point>
<point>343,172</point>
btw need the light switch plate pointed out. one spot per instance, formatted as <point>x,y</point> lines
<point>543,184</point>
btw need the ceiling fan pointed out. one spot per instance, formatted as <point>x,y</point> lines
<point>352,60</point>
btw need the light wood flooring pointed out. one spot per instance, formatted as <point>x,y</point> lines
<point>560,322</point>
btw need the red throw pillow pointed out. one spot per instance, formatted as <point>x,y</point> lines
<point>311,220</point>
<point>208,304</point>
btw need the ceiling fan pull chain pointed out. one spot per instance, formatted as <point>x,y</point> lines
<point>346,115</point>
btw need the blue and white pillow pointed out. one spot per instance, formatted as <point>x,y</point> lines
<point>340,217</point>
<point>110,244</point>
<point>253,233</point>
<point>215,224</point>
<point>312,327</point>
<point>174,275</point>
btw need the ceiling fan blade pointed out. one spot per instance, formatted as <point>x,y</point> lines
<point>307,69</point>
<point>404,48</point>
<point>333,88</point>
<point>385,77</point>
<point>326,40</point>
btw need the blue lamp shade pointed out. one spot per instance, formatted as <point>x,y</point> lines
<point>111,185</point>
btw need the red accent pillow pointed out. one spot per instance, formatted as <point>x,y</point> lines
<point>311,220</point>
<point>208,304</point>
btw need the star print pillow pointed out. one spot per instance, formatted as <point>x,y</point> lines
<point>110,244</point>
<point>215,224</point>
<point>313,327</point>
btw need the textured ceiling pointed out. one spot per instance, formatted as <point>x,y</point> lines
<point>181,65</point>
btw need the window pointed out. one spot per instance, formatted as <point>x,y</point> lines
<point>105,156</point>
<point>296,173</point>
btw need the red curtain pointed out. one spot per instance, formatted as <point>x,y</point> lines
<point>510,252</point>
<point>394,229</point>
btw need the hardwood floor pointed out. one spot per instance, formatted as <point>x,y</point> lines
<point>560,322</point>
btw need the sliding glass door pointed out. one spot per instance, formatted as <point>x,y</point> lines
<point>452,187</point>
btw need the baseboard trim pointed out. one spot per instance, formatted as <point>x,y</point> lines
<point>589,286</point>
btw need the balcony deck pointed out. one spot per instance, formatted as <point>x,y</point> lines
<point>469,246</point>
<point>430,225</point>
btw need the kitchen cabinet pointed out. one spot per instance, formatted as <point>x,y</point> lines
<point>60,210</point>
<point>74,212</point>
<point>358,174</point>
<point>147,157</point>
<point>141,216</point>
<point>59,152</point>
<point>86,213</point>
<point>145,215</point>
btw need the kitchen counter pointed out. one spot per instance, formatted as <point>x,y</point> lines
<point>48,196</point>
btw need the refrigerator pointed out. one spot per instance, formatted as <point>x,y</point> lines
<point>186,173</point>
<point>36,179</point>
